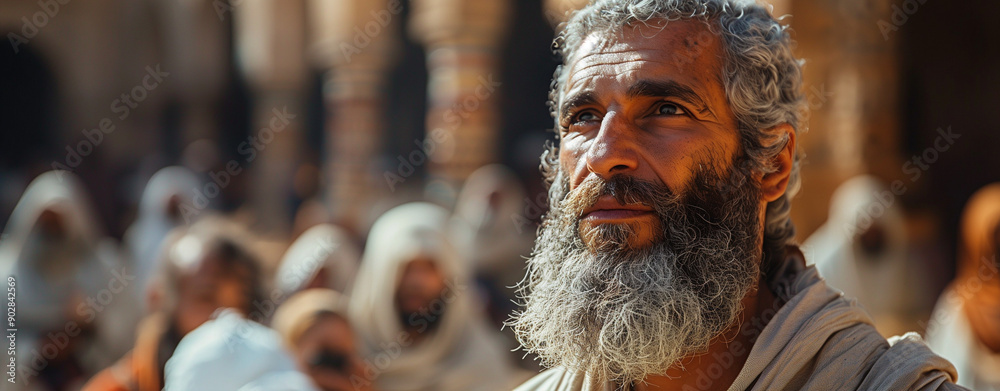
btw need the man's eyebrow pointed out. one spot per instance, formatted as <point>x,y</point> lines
<point>661,89</point>
<point>574,101</point>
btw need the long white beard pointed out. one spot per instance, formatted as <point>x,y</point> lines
<point>622,314</point>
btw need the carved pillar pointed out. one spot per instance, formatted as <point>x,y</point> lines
<point>462,39</point>
<point>271,38</point>
<point>354,41</point>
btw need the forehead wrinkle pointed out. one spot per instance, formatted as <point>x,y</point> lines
<point>587,75</point>
<point>583,68</point>
<point>623,54</point>
<point>596,46</point>
<point>629,55</point>
<point>638,50</point>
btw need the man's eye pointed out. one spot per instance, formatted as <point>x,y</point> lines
<point>585,116</point>
<point>670,109</point>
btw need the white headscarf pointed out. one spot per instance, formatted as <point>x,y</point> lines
<point>48,278</point>
<point>324,247</point>
<point>144,238</point>
<point>232,353</point>
<point>462,354</point>
<point>886,284</point>
<point>490,227</point>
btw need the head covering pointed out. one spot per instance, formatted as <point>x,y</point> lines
<point>299,312</point>
<point>144,238</point>
<point>187,247</point>
<point>461,354</point>
<point>950,331</point>
<point>490,228</point>
<point>322,248</point>
<point>232,353</point>
<point>58,191</point>
<point>979,230</point>
<point>50,276</point>
<point>882,279</point>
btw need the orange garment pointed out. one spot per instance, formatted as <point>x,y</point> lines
<point>142,368</point>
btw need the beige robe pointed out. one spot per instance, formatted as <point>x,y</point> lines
<point>817,340</point>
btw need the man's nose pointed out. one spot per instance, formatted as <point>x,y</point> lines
<point>614,149</point>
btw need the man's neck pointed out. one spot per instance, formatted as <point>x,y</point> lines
<point>717,368</point>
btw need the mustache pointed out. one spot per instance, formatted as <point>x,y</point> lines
<point>624,188</point>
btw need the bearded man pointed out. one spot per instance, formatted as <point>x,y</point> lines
<point>666,261</point>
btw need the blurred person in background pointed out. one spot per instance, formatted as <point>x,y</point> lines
<point>862,249</point>
<point>201,269</point>
<point>492,234</point>
<point>231,353</point>
<point>160,211</point>
<point>965,326</point>
<point>69,284</point>
<point>324,256</point>
<point>411,307</point>
<point>311,212</point>
<point>315,329</point>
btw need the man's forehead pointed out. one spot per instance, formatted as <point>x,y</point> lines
<point>676,49</point>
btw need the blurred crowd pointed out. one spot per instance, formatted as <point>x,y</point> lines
<point>194,303</point>
<point>418,302</point>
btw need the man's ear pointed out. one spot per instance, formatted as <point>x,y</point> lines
<point>773,185</point>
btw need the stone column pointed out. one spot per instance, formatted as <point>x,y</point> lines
<point>462,39</point>
<point>851,84</point>
<point>196,54</point>
<point>271,39</point>
<point>354,41</point>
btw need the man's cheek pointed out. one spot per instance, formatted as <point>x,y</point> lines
<point>572,159</point>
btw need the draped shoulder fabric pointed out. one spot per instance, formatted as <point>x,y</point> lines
<point>323,248</point>
<point>817,340</point>
<point>462,354</point>
<point>233,353</point>
<point>883,278</point>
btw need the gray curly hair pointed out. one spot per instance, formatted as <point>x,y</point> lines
<point>761,76</point>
